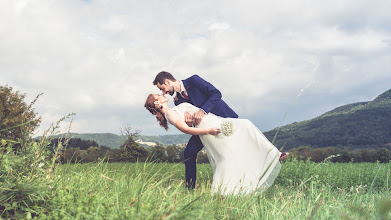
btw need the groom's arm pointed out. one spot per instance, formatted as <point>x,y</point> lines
<point>189,119</point>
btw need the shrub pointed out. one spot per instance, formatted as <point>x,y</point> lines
<point>25,175</point>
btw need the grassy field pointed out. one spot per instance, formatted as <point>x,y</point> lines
<point>303,190</point>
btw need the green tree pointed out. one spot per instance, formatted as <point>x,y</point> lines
<point>317,155</point>
<point>159,153</point>
<point>94,153</point>
<point>367,155</point>
<point>131,151</point>
<point>173,154</point>
<point>383,155</point>
<point>17,119</point>
<point>202,157</point>
<point>113,155</point>
<point>73,154</point>
<point>301,153</point>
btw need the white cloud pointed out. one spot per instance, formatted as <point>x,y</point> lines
<point>98,58</point>
<point>219,26</point>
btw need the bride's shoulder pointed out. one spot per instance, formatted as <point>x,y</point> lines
<point>172,115</point>
<point>177,109</point>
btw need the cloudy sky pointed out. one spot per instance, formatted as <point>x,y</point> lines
<point>98,58</point>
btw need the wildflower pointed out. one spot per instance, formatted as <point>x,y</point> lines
<point>41,165</point>
<point>59,176</point>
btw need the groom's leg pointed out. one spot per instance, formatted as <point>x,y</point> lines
<point>193,147</point>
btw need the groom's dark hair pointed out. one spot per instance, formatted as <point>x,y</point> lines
<point>162,76</point>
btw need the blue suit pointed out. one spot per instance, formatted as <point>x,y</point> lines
<point>205,96</point>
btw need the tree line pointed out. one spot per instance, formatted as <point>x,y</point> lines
<point>131,151</point>
<point>84,151</point>
<point>343,155</point>
<point>18,121</point>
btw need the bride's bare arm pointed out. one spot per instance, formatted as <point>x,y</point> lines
<point>174,118</point>
<point>182,126</point>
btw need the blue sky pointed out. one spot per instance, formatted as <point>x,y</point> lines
<point>99,58</point>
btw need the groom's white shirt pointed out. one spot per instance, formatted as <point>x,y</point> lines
<point>183,89</point>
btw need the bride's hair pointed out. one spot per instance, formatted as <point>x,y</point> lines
<point>150,106</point>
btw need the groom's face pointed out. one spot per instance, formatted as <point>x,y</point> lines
<point>166,88</point>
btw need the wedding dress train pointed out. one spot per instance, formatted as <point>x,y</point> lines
<point>243,161</point>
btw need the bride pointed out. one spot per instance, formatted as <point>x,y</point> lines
<point>242,158</point>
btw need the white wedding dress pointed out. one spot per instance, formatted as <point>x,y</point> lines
<point>242,162</point>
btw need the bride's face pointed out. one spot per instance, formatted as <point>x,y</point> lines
<point>161,98</point>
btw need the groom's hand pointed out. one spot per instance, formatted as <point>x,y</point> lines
<point>198,116</point>
<point>189,119</point>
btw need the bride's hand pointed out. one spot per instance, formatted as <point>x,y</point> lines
<point>214,131</point>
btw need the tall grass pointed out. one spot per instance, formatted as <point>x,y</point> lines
<point>157,191</point>
<point>25,175</point>
<point>374,176</point>
<point>34,185</point>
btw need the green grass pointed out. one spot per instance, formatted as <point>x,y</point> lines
<point>303,190</point>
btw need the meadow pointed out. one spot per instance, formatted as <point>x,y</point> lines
<point>303,190</point>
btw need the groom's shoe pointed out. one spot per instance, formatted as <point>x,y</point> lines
<point>283,156</point>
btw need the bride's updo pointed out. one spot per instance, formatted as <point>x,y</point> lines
<point>150,106</point>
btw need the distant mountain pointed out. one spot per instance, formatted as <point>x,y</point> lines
<point>357,125</point>
<point>103,139</point>
<point>115,141</point>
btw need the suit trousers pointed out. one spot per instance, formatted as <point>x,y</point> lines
<point>190,154</point>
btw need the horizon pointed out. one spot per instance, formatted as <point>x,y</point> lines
<point>141,134</point>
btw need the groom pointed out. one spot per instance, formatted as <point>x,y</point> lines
<point>205,96</point>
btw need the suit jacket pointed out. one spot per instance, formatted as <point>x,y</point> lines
<point>205,96</point>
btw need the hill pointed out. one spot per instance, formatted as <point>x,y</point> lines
<point>115,141</point>
<point>357,125</point>
<point>103,139</point>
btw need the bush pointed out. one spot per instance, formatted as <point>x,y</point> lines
<point>16,117</point>
<point>25,175</point>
